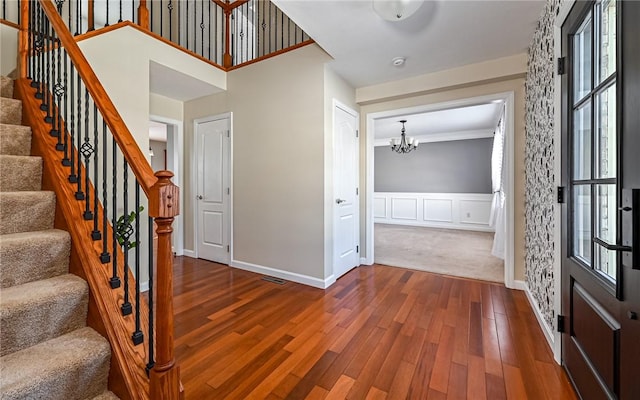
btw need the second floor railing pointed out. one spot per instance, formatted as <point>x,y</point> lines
<point>228,34</point>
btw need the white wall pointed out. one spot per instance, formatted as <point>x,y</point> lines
<point>8,49</point>
<point>279,129</point>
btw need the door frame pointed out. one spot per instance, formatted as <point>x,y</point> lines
<point>194,180</point>
<point>556,339</point>
<point>335,105</point>
<point>509,100</point>
<point>178,177</point>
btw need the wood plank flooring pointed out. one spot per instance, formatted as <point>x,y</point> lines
<point>378,333</point>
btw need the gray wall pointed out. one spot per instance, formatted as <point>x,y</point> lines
<point>460,166</point>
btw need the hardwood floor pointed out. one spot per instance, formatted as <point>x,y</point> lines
<point>377,333</point>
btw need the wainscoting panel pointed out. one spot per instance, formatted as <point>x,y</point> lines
<point>404,208</point>
<point>468,211</point>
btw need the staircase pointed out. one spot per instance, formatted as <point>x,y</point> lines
<point>46,349</point>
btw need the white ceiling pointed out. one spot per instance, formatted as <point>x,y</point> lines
<point>177,85</point>
<point>468,122</point>
<point>440,35</point>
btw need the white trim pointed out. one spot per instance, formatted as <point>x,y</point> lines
<point>190,253</point>
<point>290,276</point>
<point>363,261</point>
<point>556,343</point>
<point>519,285</point>
<point>546,329</point>
<point>330,201</point>
<point>509,99</point>
<point>144,286</point>
<point>178,179</point>
<point>443,137</point>
<point>194,180</point>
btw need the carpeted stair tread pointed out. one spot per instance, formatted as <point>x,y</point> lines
<point>30,256</point>
<point>6,87</point>
<point>10,111</point>
<point>74,366</point>
<point>41,310</point>
<point>20,173</point>
<point>106,396</point>
<point>15,140</point>
<point>26,211</point>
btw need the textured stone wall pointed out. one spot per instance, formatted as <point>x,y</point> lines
<point>539,163</point>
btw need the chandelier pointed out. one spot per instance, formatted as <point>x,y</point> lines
<point>403,144</point>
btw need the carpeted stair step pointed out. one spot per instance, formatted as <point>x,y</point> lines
<point>41,310</point>
<point>74,366</point>
<point>26,211</point>
<point>15,140</point>
<point>106,396</point>
<point>20,173</point>
<point>6,87</point>
<point>30,256</point>
<point>10,111</point>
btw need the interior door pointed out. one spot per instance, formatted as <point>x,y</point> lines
<point>346,205</point>
<point>600,169</point>
<point>212,198</point>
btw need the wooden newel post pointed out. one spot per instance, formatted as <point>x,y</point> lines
<point>143,15</point>
<point>23,38</point>
<point>227,60</point>
<point>163,207</point>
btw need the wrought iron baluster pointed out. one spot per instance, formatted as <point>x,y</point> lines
<point>254,36</point>
<point>95,234</point>
<point>105,257</point>
<point>209,31</point>
<point>46,98</point>
<point>151,361</point>
<point>79,193</point>
<point>187,26</point>
<point>162,18</point>
<point>106,22</point>
<point>120,19</point>
<point>39,45</point>
<point>65,131</point>
<point>195,25</point>
<point>124,235</point>
<point>202,28</point>
<point>170,7</point>
<point>86,149</point>
<point>281,29</point>
<point>58,90</point>
<point>138,336</point>
<point>78,29</point>
<point>115,280</point>
<point>73,178</point>
<point>270,27</point>
<point>30,45</point>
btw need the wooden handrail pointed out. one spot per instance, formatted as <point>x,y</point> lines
<point>134,156</point>
<point>23,38</point>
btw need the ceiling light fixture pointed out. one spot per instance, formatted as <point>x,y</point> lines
<point>396,10</point>
<point>403,144</point>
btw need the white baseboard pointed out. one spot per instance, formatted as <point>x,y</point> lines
<point>144,286</point>
<point>189,253</point>
<point>365,261</point>
<point>546,329</point>
<point>519,285</point>
<point>290,276</point>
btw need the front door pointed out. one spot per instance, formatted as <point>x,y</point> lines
<point>600,169</point>
<point>345,184</point>
<point>212,198</point>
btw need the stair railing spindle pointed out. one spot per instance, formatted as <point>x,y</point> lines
<point>64,130</point>
<point>138,337</point>
<point>79,193</point>
<point>124,234</point>
<point>115,280</point>
<point>105,257</point>
<point>95,234</point>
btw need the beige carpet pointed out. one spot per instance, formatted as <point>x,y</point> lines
<point>460,253</point>
<point>46,350</point>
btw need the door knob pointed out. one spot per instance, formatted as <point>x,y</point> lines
<point>199,197</point>
<point>340,201</point>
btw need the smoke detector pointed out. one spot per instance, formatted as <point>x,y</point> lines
<point>398,61</point>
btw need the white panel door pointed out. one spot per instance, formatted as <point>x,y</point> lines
<point>346,204</point>
<point>212,152</point>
